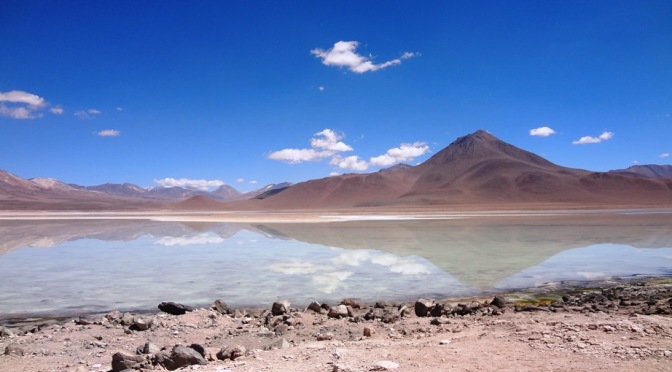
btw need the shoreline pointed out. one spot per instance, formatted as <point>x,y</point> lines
<point>625,327</point>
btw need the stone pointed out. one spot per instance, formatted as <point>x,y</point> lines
<point>122,361</point>
<point>113,316</point>
<point>147,348</point>
<point>444,342</point>
<point>278,344</point>
<point>499,302</point>
<point>231,352</point>
<point>338,311</point>
<point>14,349</point>
<point>221,307</point>
<point>385,365</point>
<point>367,332</point>
<point>315,306</point>
<point>350,302</point>
<point>423,307</point>
<point>173,308</point>
<point>6,332</point>
<point>183,356</point>
<point>141,323</point>
<point>280,308</point>
<point>325,336</point>
<point>199,348</point>
<point>126,319</point>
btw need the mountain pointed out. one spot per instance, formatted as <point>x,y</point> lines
<point>477,169</point>
<point>647,171</point>
<point>225,192</point>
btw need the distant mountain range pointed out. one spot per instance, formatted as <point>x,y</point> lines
<point>475,170</point>
<point>49,193</point>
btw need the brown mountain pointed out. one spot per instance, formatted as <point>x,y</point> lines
<point>475,169</point>
<point>647,170</point>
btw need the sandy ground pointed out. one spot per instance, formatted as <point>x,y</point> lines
<point>625,328</point>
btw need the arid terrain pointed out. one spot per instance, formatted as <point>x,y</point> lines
<point>624,327</point>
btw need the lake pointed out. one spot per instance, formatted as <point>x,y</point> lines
<point>69,267</point>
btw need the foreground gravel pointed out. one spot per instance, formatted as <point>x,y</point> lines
<point>622,328</point>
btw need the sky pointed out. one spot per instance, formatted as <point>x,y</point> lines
<point>249,93</point>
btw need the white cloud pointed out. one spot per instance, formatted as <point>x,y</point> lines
<point>588,139</point>
<point>403,153</point>
<point>298,155</point>
<point>185,182</point>
<point>321,88</point>
<point>635,162</point>
<point>87,114</point>
<point>329,140</point>
<point>18,104</point>
<point>109,133</point>
<point>58,110</point>
<point>324,144</point>
<point>240,180</point>
<point>665,155</point>
<point>334,173</point>
<point>343,55</point>
<point>120,109</point>
<point>253,182</point>
<point>349,162</point>
<point>541,132</point>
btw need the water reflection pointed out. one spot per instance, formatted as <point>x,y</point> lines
<point>97,265</point>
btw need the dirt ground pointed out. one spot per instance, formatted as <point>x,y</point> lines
<point>625,328</point>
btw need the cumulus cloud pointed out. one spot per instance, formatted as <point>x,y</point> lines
<point>343,54</point>
<point>321,88</point>
<point>203,185</point>
<point>403,153</point>
<point>58,110</point>
<point>665,155</point>
<point>589,139</point>
<point>253,182</point>
<point>541,132</point>
<point>87,114</point>
<point>240,180</point>
<point>18,104</point>
<point>349,162</point>
<point>329,144</point>
<point>109,133</point>
<point>326,143</point>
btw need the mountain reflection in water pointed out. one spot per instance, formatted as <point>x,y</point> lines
<point>76,266</point>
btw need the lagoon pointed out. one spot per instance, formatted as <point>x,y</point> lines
<point>60,267</point>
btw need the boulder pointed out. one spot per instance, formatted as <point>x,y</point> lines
<point>174,308</point>
<point>350,302</point>
<point>315,306</point>
<point>141,323</point>
<point>221,307</point>
<point>126,319</point>
<point>5,332</point>
<point>278,344</point>
<point>122,361</point>
<point>499,302</point>
<point>183,356</point>
<point>147,348</point>
<point>14,349</point>
<point>231,352</point>
<point>338,311</point>
<point>423,307</point>
<point>280,308</point>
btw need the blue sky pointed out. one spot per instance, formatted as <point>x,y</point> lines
<point>144,91</point>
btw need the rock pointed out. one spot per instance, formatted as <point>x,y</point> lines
<point>385,365</point>
<point>174,308</point>
<point>82,320</point>
<point>390,315</point>
<point>122,361</point>
<point>6,332</point>
<point>423,307</point>
<point>315,306</point>
<point>278,344</point>
<point>126,319</point>
<point>352,303</point>
<point>436,310</point>
<point>367,332</point>
<point>231,352</point>
<point>183,356</point>
<point>147,348</point>
<point>142,324</point>
<point>444,342</point>
<point>14,349</point>
<point>113,316</point>
<point>280,308</point>
<point>382,304</point>
<point>325,336</point>
<point>338,311</point>
<point>199,348</point>
<point>221,307</point>
<point>499,302</point>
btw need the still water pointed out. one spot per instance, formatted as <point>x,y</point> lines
<point>65,267</point>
